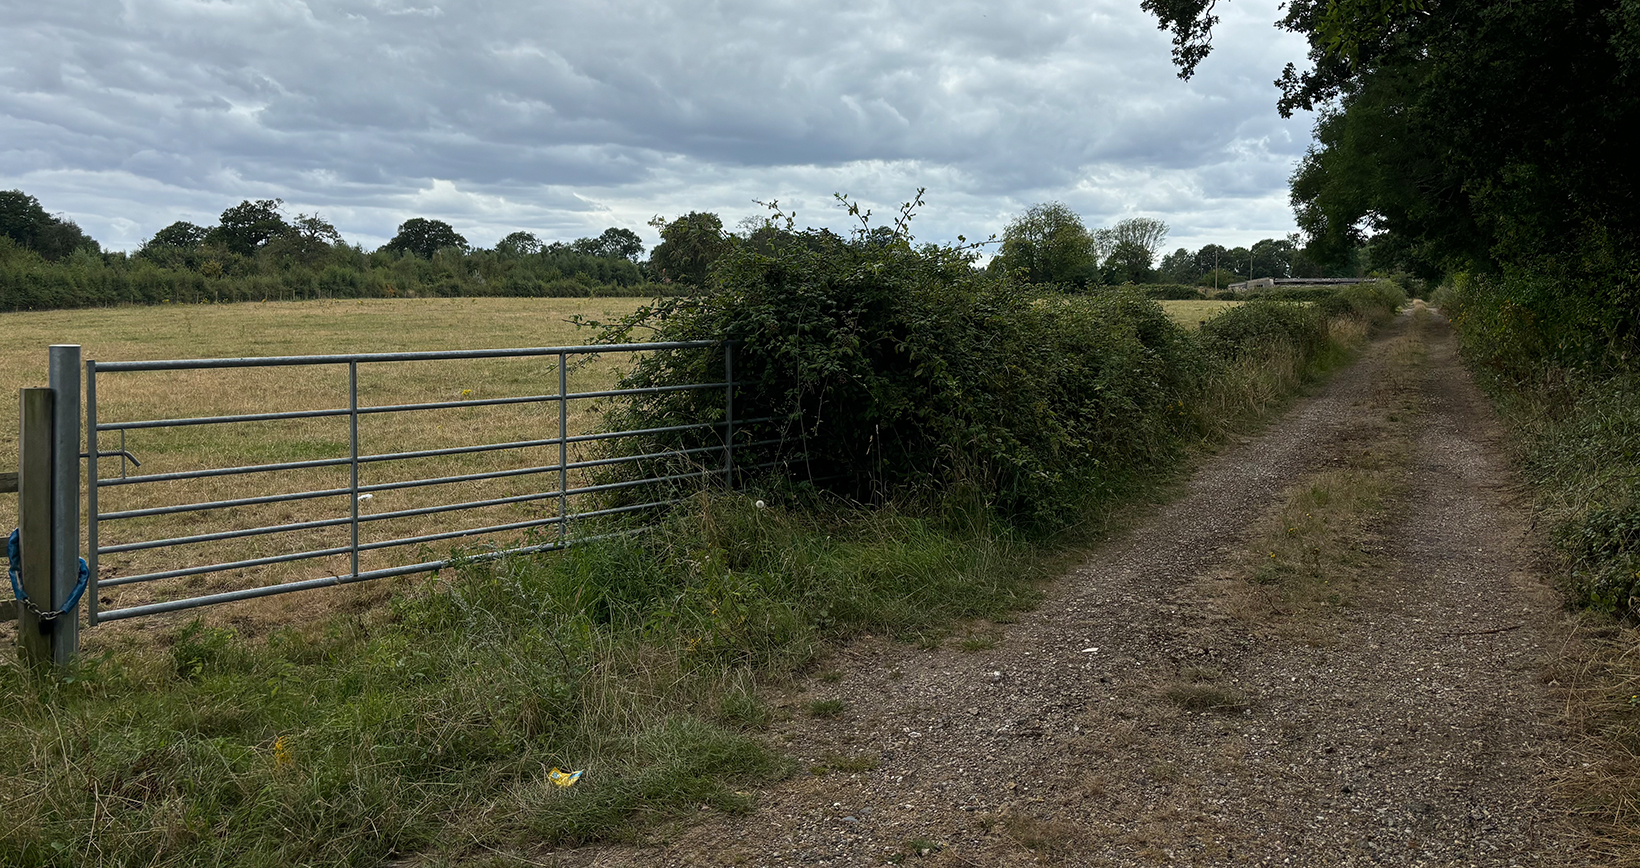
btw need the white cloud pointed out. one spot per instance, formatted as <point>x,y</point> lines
<point>566,117</point>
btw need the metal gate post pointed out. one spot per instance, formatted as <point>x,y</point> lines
<point>65,499</point>
<point>92,600</point>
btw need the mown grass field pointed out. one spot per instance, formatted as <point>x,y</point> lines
<point>1191,314</point>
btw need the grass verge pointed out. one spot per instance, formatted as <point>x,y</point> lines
<point>363,738</point>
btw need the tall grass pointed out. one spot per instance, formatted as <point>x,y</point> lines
<point>1262,351</point>
<point>350,741</point>
<point>1580,448</point>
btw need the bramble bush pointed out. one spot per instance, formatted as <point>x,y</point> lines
<point>892,370</point>
<point>1258,325</point>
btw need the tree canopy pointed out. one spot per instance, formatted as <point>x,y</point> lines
<point>1133,245</point>
<point>1479,134</point>
<point>689,246</point>
<point>614,243</point>
<point>180,234</point>
<point>1049,244</point>
<point>26,223</point>
<point>305,239</point>
<point>423,237</point>
<point>519,244</point>
<point>248,225</point>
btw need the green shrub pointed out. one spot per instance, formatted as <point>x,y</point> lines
<point>1259,324</point>
<point>1603,546</point>
<point>1525,320</point>
<point>1291,293</point>
<point>1376,301</point>
<point>894,371</point>
<point>1170,291</point>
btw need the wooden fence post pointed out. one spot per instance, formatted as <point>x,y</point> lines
<point>37,436</point>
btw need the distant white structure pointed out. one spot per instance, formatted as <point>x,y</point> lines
<point>1269,282</point>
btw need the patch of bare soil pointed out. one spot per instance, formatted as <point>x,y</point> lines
<point>1165,707</point>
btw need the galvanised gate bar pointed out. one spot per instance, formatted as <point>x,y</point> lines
<point>717,460</point>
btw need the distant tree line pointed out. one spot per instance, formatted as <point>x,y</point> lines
<point>1049,243</point>
<point>257,252</point>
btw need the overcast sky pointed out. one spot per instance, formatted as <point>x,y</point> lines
<point>564,118</point>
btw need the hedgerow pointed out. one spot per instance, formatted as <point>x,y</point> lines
<point>1562,368</point>
<point>1257,325</point>
<point>890,370</point>
<point>89,279</point>
<point>1170,291</point>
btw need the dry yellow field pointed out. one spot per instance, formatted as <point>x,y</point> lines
<point>305,328</point>
<point>1191,314</point>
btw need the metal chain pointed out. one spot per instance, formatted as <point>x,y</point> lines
<point>17,585</point>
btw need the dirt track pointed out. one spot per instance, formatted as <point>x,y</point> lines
<point>1404,723</point>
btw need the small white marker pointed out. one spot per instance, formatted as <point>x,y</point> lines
<point>365,497</point>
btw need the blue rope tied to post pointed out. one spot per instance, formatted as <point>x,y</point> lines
<point>14,556</point>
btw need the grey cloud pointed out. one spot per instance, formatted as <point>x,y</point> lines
<point>540,108</point>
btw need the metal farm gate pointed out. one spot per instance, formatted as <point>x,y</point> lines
<point>145,551</point>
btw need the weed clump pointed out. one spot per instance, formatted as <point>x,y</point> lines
<point>1207,697</point>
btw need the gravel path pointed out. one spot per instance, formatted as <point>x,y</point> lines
<point>1409,728</point>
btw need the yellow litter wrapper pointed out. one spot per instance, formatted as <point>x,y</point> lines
<point>563,778</point>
